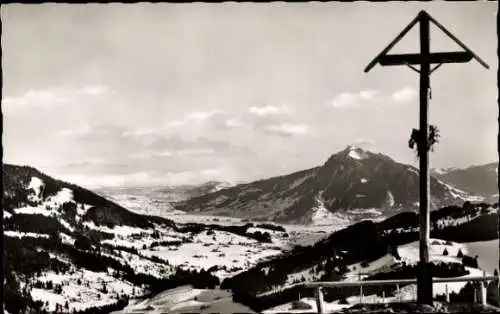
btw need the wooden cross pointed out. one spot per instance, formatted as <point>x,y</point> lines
<point>425,58</point>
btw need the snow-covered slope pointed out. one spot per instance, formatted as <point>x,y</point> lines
<point>368,251</point>
<point>67,248</point>
<point>440,252</point>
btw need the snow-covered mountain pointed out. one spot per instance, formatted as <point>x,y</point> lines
<point>68,249</point>
<point>352,184</point>
<point>479,180</point>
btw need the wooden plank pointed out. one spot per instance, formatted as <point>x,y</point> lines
<point>416,58</point>
<point>461,44</point>
<point>393,42</point>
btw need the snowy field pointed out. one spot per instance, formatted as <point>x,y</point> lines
<point>329,307</point>
<point>298,234</point>
<point>229,252</point>
<point>81,289</point>
<point>358,272</point>
<point>488,254</point>
<point>188,300</point>
<point>181,217</point>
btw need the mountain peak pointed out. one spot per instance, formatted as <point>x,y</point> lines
<point>356,152</point>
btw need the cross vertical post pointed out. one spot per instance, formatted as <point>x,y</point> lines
<point>424,280</point>
<point>425,58</point>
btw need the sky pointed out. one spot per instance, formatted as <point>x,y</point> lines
<point>167,94</point>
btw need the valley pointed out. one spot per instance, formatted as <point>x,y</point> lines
<point>70,250</point>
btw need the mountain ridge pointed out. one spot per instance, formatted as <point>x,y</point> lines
<point>351,180</point>
<point>481,180</point>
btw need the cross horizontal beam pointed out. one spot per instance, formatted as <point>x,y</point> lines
<point>416,58</point>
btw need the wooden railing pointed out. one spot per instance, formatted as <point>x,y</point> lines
<point>481,283</point>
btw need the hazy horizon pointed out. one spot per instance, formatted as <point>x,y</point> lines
<point>166,94</point>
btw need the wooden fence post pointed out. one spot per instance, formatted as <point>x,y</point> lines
<point>319,299</point>
<point>361,294</point>
<point>475,293</point>
<point>482,293</point>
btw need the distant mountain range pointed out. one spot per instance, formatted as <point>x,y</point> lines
<point>157,200</point>
<point>352,184</point>
<point>479,180</point>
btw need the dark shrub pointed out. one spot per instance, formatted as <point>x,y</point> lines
<point>470,261</point>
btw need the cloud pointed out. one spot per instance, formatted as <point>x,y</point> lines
<point>351,100</point>
<point>85,162</point>
<point>141,132</point>
<point>95,181</point>
<point>50,97</point>
<point>195,152</point>
<point>372,97</point>
<point>178,153</point>
<point>176,124</point>
<point>146,178</point>
<point>196,177</point>
<point>215,119</point>
<point>95,90</point>
<point>178,145</point>
<point>116,142</point>
<point>368,94</point>
<point>96,165</point>
<point>233,123</point>
<point>286,129</point>
<point>363,141</point>
<point>202,115</point>
<point>37,98</point>
<point>98,133</point>
<point>269,110</point>
<point>274,120</point>
<point>404,95</point>
<point>346,100</point>
<point>76,132</point>
<point>148,154</point>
